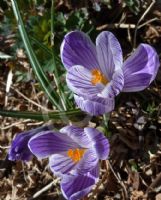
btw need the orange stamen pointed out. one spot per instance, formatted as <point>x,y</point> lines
<point>98,77</point>
<point>76,154</point>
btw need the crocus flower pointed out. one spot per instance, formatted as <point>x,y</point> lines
<point>74,155</point>
<point>96,74</point>
<point>19,148</point>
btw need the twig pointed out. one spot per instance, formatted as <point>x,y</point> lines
<point>8,85</point>
<point>129,35</point>
<point>35,123</point>
<point>155,184</point>
<point>116,25</point>
<point>98,185</point>
<point>5,147</point>
<point>141,18</point>
<point>126,26</point>
<point>108,162</point>
<point>148,22</point>
<point>14,124</point>
<point>119,181</point>
<point>33,88</point>
<point>44,189</point>
<point>25,97</point>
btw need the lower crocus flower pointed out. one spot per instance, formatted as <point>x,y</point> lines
<point>19,148</point>
<point>74,155</point>
<point>96,74</point>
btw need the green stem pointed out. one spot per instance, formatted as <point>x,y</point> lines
<point>56,76</point>
<point>106,121</point>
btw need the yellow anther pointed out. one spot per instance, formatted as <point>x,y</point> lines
<point>70,153</point>
<point>98,77</point>
<point>76,154</point>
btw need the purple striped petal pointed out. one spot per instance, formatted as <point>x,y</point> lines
<point>136,82</point>
<point>47,143</point>
<point>140,68</point>
<point>78,49</point>
<point>109,53</point>
<point>61,164</point>
<point>77,134</point>
<point>79,81</point>
<point>19,148</point>
<point>87,163</point>
<point>76,187</point>
<point>115,86</point>
<point>95,106</point>
<point>100,143</point>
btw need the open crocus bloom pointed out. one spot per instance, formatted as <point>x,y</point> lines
<point>19,148</point>
<point>74,155</point>
<point>96,74</point>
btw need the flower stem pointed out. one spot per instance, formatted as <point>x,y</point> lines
<point>106,124</point>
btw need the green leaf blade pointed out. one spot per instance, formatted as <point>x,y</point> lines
<point>41,76</point>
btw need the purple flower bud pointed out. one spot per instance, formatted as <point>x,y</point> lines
<point>19,148</point>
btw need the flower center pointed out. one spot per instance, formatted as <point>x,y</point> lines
<point>98,77</point>
<point>76,154</point>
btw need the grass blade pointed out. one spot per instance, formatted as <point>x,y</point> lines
<point>73,115</point>
<point>42,78</point>
<point>57,82</point>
